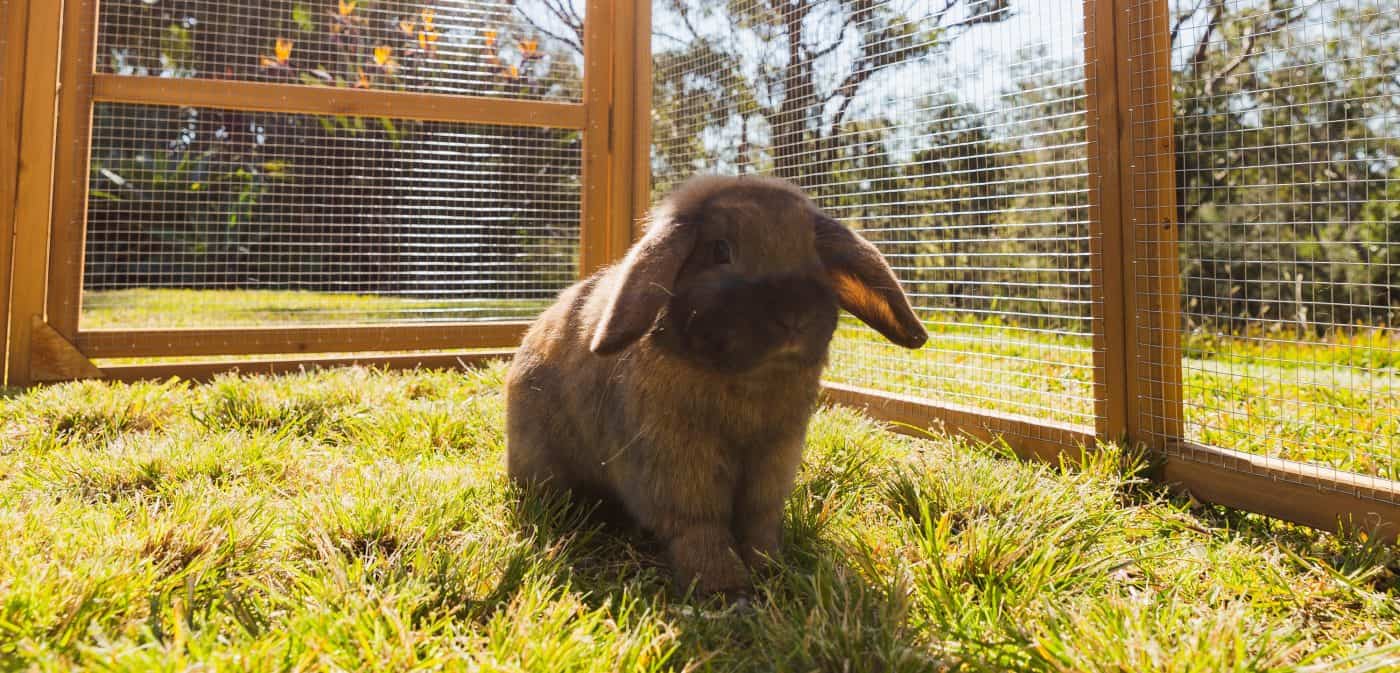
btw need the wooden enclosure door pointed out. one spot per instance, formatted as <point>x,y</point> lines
<point>60,88</point>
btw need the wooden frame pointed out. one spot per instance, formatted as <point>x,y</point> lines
<point>204,371</point>
<point>55,212</point>
<point>34,196</point>
<point>1137,357</point>
<point>69,227</point>
<point>1147,185</point>
<point>299,98</point>
<point>1030,438</point>
<point>14,26</point>
<point>641,115</point>
<point>1108,264</point>
<point>1312,495</point>
<point>265,340</point>
<point>597,136</point>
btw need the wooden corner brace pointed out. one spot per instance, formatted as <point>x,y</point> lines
<point>53,358</point>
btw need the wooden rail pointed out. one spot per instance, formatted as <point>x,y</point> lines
<point>204,371</point>
<point>284,340</point>
<point>1030,438</point>
<point>304,99</point>
<point>1309,494</point>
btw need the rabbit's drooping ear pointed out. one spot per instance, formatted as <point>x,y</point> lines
<point>645,284</point>
<point>865,285</point>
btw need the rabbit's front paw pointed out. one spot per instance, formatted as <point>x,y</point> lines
<point>704,557</point>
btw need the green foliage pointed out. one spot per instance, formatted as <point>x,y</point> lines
<point>241,193</point>
<point>1285,161</point>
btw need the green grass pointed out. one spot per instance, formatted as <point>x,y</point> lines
<point>361,520</point>
<point>1334,401</point>
<point>165,308</point>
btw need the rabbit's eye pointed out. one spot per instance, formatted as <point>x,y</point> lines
<point>720,253</point>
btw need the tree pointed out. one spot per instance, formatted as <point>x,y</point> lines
<point>1285,160</point>
<point>782,75</point>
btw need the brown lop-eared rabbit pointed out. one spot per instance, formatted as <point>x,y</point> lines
<point>678,384</point>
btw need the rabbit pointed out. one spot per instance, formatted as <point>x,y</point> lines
<point>678,384</point>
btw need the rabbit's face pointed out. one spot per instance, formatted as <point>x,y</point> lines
<point>734,273</point>
<point>752,291</point>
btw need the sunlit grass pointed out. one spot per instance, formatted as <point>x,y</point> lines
<point>360,520</point>
<point>172,308</point>
<point>1334,400</point>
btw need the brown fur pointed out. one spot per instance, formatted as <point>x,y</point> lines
<point>680,388</point>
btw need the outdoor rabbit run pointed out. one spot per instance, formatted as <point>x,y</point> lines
<point>1164,225</point>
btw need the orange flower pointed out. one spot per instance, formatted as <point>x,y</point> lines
<point>426,40</point>
<point>427,15</point>
<point>347,7</point>
<point>282,54</point>
<point>530,47</point>
<point>490,37</point>
<point>514,72</point>
<point>383,54</point>
<point>363,81</point>
<point>283,50</point>
<point>406,26</point>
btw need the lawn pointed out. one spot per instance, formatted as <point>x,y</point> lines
<point>361,520</point>
<point>1334,401</point>
<point>166,308</point>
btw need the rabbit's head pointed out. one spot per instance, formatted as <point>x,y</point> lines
<point>733,273</point>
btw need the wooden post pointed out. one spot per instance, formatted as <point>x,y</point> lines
<point>598,45</point>
<point>1148,182</point>
<point>1137,355</point>
<point>34,185</point>
<point>71,166</point>
<point>641,115</point>
<point>13,26</point>
<point>622,177</point>
<point>1111,299</point>
<point>617,98</point>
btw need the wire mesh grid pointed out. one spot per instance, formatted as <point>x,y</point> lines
<point>202,217</point>
<point>1287,171</point>
<point>529,49</point>
<point>951,133</point>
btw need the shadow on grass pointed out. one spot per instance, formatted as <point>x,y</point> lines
<point>815,609</point>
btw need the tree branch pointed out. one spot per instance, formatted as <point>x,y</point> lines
<point>1185,16</point>
<point>1198,58</point>
<point>564,11</point>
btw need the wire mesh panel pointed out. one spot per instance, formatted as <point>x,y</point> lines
<point>1287,172</point>
<point>201,217</point>
<point>951,133</point>
<point>531,49</point>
